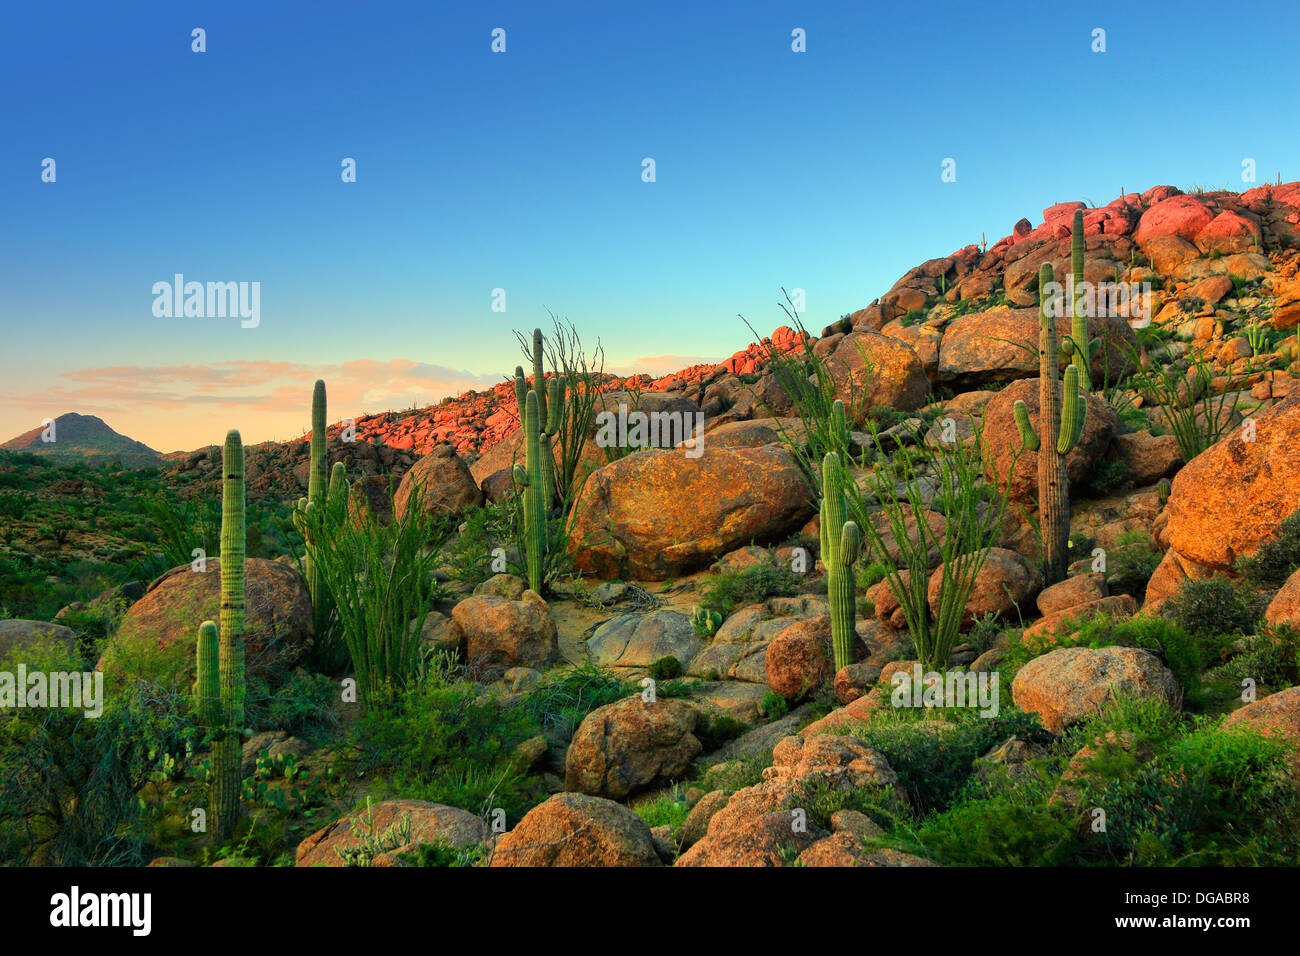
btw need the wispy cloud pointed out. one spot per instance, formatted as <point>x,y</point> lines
<point>167,401</point>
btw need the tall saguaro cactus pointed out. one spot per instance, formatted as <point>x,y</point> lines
<point>317,487</point>
<point>1078,346</point>
<point>1062,410</point>
<point>220,659</point>
<point>531,477</point>
<point>841,545</point>
<point>548,417</point>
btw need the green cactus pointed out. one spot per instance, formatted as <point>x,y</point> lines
<point>531,477</point>
<point>547,418</point>
<point>317,485</point>
<point>1062,410</point>
<point>841,545</point>
<point>1077,345</point>
<point>221,697</point>
<point>706,623</point>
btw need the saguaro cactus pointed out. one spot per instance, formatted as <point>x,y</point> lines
<point>220,664</point>
<point>317,490</point>
<point>548,421</point>
<point>841,545</point>
<point>531,477</point>
<point>1078,346</point>
<point>1062,410</point>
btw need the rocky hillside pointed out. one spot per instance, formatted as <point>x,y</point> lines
<point>84,437</point>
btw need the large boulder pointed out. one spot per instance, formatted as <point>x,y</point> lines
<point>445,484</point>
<point>1002,441</point>
<point>638,639</point>
<point>799,659</point>
<point>983,347</point>
<point>500,633</point>
<point>574,829</point>
<point>156,640</point>
<point>657,514</point>
<point>1067,684</point>
<point>425,822</point>
<point>1230,499</point>
<point>629,746</point>
<point>891,374</point>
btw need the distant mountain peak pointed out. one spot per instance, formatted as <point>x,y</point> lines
<point>85,437</point>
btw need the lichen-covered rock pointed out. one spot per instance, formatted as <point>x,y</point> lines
<point>424,821</point>
<point>1069,683</point>
<point>156,640</point>
<point>657,514</point>
<point>631,745</point>
<point>500,633</point>
<point>574,829</point>
<point>444,482</point>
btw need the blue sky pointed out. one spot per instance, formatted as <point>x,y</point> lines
<point>522,171</point>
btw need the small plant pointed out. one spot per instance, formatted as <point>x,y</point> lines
<point>772,706</point>
<point>665,668</point>
<point>706,623</point>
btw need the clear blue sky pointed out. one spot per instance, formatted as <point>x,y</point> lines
<point>522,170</point>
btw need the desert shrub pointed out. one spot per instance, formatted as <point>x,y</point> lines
<point>665,668</point>
<point>821,799</point>
<point>69,785</point>
<point>1142,719</point>
<point>1131,563</point>
<point>300,706</point>
<point>442,854</point>
<point>758,582</point>
<point>441,741</point>
<point>732,775</point>
<point>1270,658</point>
<point>380,578</point>
<point>1214,607</point>
<point>1219,796</point>
<point>1107,478</point>
<point>668,809</point>
<point>998,830</point>
<point>1275,560</point>
<point>772,706</point>
<point>563,698</point>
<point>934,764</point>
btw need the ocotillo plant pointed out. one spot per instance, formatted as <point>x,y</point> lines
<point>841,544</point>
<point>1062,409</point>
<point>1078,346</point>
<point>226,716</point>
<point>531,478</point>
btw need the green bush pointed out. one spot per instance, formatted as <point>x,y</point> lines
<point>665,668</point>
<point>1214,607</point>
<point>933,763</point>
<point>751,585</point>
<point>1218,797</point>
<point>1275,560</point>
<point>442,741</point>
<point>563,698</point>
